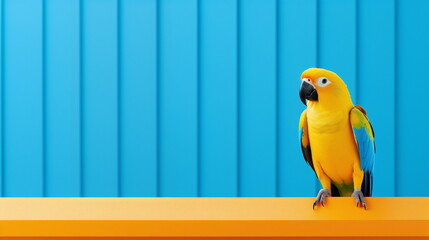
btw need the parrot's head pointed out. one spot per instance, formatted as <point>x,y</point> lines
<point>322,86</point>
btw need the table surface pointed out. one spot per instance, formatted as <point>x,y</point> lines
<point>212,217</point>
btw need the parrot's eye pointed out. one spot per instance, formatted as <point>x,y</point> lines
<point>322,82</point>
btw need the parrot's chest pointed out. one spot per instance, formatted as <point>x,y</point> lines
<point>326,122</point>
<point>333,145</point>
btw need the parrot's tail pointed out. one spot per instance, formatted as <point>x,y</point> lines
<point>334,191</point>
<point>367,184</point>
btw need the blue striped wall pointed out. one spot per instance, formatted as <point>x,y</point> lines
<point>185,98</point>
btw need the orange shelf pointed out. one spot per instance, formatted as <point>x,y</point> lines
<point>212,217</point>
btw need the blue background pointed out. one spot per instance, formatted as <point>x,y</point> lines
<point>185,98</point>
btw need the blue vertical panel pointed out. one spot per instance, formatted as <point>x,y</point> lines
<point>376,38</point>
<point>62,98</point>
<point>337,46</point>
<point>23,108</point>
<point>99,98</point>
<point>178,98</point>
<point>1,96</point>
<point>138,98</point>
<point>412,113</point>
<point>218,98</point>
<point>257,98</point>
<point>297,52</point>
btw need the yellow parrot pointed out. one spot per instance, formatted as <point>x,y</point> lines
<point>337,139</point>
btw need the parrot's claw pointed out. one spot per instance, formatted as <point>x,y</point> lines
<point>359,198</point>
<point>321,197</point>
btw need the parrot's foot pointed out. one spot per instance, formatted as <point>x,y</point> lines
<point>359,198</point>
<point>321,197</point>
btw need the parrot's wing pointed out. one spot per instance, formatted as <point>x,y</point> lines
<point>304,139</point>
<point>364,136</point>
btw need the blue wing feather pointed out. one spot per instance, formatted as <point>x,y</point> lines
<point>364,136</point>
<point>366,149</point>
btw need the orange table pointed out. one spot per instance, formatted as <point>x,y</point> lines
<point>288,218</point>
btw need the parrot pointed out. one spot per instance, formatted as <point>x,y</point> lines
<point>337,138</point>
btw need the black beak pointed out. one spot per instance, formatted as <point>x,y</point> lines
<point>307,92</point>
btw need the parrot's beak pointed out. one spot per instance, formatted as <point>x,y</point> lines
<point>307,92</point>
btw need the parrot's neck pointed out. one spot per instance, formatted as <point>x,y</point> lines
<point>328,118</point>
<point>330,106</point>
<point>332,102</point>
